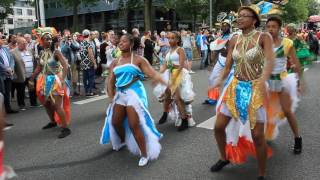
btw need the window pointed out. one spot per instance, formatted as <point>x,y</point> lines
<point>19,11</point>
<point>10,21</point>
<point>46,6</point>
<point>29,12</point>
<point>59,5</point>
<point>30,20</point>
<point>11,31</point>
<point>53,4</point>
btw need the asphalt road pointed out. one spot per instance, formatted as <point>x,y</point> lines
<point>36,154</point>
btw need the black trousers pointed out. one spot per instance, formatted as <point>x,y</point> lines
<point>5,89</point>
<point>20,87</point>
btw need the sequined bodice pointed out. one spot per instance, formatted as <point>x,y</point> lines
<point>249,63</point>
<point>49,63</point>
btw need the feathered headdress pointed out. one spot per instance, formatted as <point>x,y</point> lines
<point>41,31</point>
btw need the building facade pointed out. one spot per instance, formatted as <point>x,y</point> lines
<point>105,15</point>
<point>23,17</point>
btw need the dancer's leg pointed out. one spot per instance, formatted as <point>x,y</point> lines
<point>58,107</point>
<point>118,116</point>
<point>285,101</point>
<point>220,134</point>
<point>135,127</point>
<point>261,147</point>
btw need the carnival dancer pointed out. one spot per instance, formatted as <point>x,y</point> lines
<point>52,87</point>
<point>219,49</point>
<point>244,98</point>
<point>128,121</point>
<point>301,47</point>
<point>283,88</point>
<point>179,79</point>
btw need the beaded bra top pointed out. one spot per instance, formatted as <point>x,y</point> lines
<point>49,63</point>
<point>249,63</point>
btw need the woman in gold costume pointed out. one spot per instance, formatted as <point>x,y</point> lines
<point>243,101</point>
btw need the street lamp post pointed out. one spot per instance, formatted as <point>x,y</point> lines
<point>42,14</point>
<point>210,16</point>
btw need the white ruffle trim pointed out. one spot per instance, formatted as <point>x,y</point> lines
<point>152,141</point>
<point>290,84</point>
<point>186,86</point>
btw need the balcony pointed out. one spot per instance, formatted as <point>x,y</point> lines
<point>20,24</point>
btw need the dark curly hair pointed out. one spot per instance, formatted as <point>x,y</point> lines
<point>276,19</point>
<point>54,41</point>
<point>178,37</point>
<point>133,41</point>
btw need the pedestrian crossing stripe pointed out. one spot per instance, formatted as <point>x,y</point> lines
<point>90,100</point>
<point>208,124</point>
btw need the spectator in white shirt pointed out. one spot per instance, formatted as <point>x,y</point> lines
<point>31,43</point>
<point>23,71</point>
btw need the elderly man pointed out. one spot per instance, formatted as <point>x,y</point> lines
<point>88,63</point>
<point>31,43</point>
<point>25,64</point>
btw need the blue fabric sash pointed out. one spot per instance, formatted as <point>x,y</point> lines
<point>243,99</point>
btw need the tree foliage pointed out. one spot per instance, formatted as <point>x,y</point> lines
<point>313,7</point>
<point>5,9</point>
<point>295,11</point>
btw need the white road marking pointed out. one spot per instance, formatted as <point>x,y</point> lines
<point>91,100</point>
<point>208,124</point>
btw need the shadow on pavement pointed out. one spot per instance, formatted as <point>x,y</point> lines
<point>61,165</point>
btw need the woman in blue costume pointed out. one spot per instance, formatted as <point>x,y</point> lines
<point>128,121</point>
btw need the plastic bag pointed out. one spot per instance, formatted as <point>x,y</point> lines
<point>186,88</point>
<point>159,90</point>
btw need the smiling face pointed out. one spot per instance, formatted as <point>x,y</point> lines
<point>125,45</point>
<point>246,19</point>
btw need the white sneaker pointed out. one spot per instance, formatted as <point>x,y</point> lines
<point>143,161</point>
<point>191,122</point>
<point>120,147</point>
<point>191,72</point>
<point>178,122</point>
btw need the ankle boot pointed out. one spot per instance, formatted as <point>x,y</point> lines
<point>184,125</point>
<point>64,133</point>
<point>163,118</point>
<point>297,145</point>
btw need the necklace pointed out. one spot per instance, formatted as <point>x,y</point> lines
<point>252,32</point>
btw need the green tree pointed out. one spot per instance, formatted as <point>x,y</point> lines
<point>74,5</point>
<point>295,11</point>
<point>195,8</point>
<point>5,9</point>
<point>134,4</point>
<point>313,7</point>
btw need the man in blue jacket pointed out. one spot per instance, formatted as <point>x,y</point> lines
<point>6,74</point>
